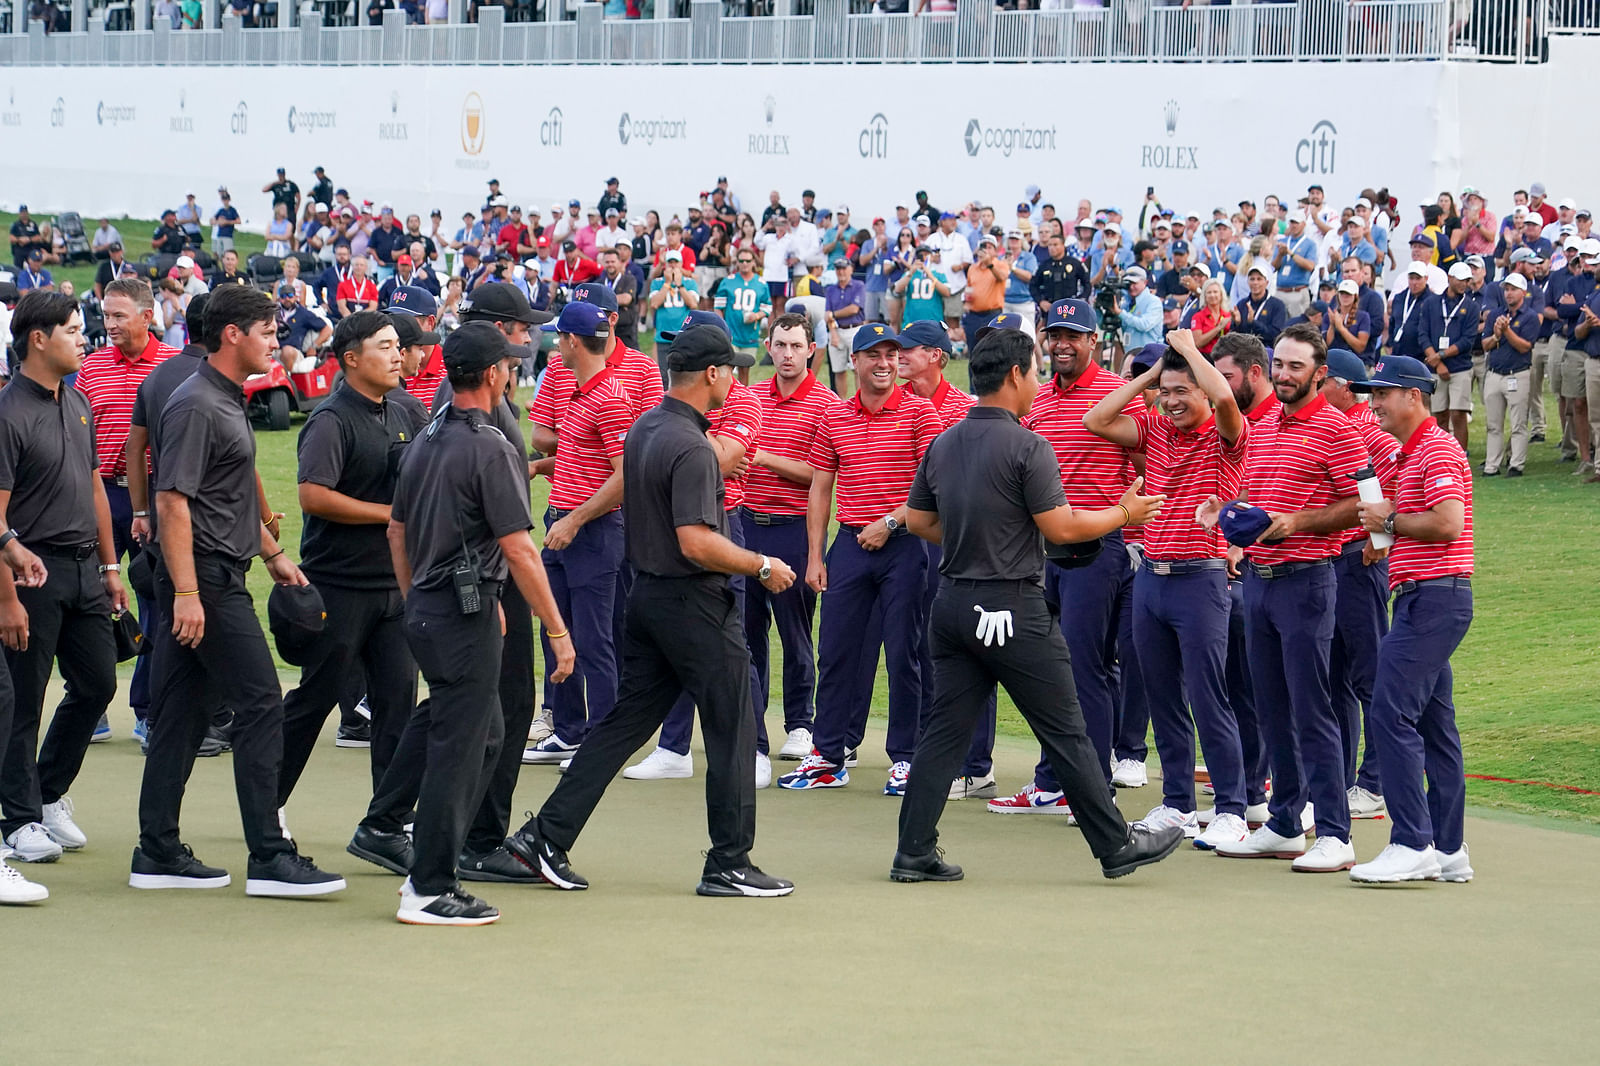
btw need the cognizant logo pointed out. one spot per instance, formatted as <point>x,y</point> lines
<point>650,130</point>
<point>304,121</point>
<point>1008,139</point>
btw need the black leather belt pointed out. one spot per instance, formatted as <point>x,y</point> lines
<point>762,519</point>
<point>1271,573</point>
<point>1454,581</point>
<point>1176,567</point>
<point>77,552</point>
<point>900,531</point>
<point>1293,288</point>
<point>119,482</point>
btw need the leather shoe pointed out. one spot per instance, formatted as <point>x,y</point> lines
<point>496,865</point>
<point>1143,848</point>
<point>929,867</point>
<point>392,851</point>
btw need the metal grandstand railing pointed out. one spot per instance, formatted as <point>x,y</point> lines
<point>1121,30</point>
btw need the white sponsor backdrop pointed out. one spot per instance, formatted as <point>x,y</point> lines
<point>125,142</point>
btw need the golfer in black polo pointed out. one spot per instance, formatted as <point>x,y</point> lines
<point>986,491</point>
<point>349,454</point>
<point>211,530</point>
<point>458,528</point>
<point>683,631</point>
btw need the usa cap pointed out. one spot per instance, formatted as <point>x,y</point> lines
<point>696,318</point>
<point>1400,372</point>
<point>475,346</point>
<point>1075,315</point>
<point>580,319</point>
<point>596,294</point>
<point>1003,320</point>
<point>412,300</point>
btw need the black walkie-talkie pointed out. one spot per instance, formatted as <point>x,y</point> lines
<point>466,577</point>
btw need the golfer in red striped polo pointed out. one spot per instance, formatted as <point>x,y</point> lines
<point>869,446</point>
<point>1303,478</point>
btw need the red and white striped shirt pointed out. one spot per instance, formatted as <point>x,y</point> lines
<point>111,382</point>
<point>739,418</point>
<point>788,426</point>
<point>636,372</point>
<point>1382,449</point>
<point>1263,422</point>
<point>1307,465</point>
<point>597,421</point>
<point>1187,467</point>
<point>875,452</point>
<point>1094,472</point>
<point>949,402</point>
<point>1433,469</point>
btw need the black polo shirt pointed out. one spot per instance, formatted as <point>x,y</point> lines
<point>170,239</point>
<point>506,417</point>
<point>987,477</point>
<point>670,478</point>
<point>460,484</point>
<point>47,462</point>
<point>353,446</point>
<point>209,455</point>
<point>411,406</point>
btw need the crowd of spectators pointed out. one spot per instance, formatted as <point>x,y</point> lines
<point>1528,273</point>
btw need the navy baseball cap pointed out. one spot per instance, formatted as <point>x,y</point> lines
<point>1343,363</point>
<point>595,294</point>
<point>1003,320</point>
<point>870,336</point>
<point>413,300</point>
<point>1148,356</point>
<point>409,332</point>
<point>696,318</point>
<point>1400,372</point>
<point>500,303</point>
<point>572,203</point>
<point>945,214</point>
<point>1171,303</point>
<point>581,319</point>
<point>927,332</point>
<point>1320,306</point>
<point>1242,524</point>
<point>1422,239</point>
<point>1180,248</point>
<point>1075,315</point>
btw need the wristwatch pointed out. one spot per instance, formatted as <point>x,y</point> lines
<point>111,568</point>
<point>1388,522</point>
<point>766,569</point>
<point>7,537</point>
<point>890,523</point>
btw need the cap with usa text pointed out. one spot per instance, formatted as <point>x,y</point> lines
<point>1075,315</point>
<point>1400,372</point>
<point>412,300</point>
<point>596,293</point>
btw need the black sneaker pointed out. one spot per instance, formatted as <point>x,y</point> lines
<point>392,851</point>
<point>1515,471</point>
<point>290,875</point>
<point>1144,847</point>
<point>745,881</point>
<point>496,865</point>
<point>185,871</point>
<point>929,867</point>
<point>356,734</point>
<point>213,744</point>
<point>455,907</point>
<point>545,859</point>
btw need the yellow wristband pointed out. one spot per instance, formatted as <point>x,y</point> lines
<point>191,592</point>
<point>558,636</point>
<point>1127,515</point>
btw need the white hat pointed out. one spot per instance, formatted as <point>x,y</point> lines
<point>320,207</point>
<point>1257,268</point>
<point>1517,281</point>
<point>1568,204</point>
<point>1349,285</point>
<point>1364,202</point>
<point>1571,244</point>
<point>1112,227</point>
<point>1417,270</point>
<point>1200,267</point>
<point>1589,246</point>
<point>1461,272</point>
<point>1356,221</point>
<point>185,262</point>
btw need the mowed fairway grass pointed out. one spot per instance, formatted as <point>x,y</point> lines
<point>1034,958</point>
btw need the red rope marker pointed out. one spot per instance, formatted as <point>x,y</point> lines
<point>1541,784</point>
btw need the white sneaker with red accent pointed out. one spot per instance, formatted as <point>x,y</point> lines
<point>1365,803</point>
<point>1223,829</point>
<point>1264,844</point>
<point>1164,817</point>
<point>1031,800</point>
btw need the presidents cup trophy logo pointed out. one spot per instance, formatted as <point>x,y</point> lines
<point>1169,156</point>
<point>472,124</point>
<point>1171,113</point>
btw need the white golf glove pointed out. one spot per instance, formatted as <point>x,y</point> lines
<point>993,626</point>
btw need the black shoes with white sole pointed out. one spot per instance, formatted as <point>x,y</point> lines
<point>392,851</point>
<point>544,859</point>
<point>290,875</point>
<point>455,907</point>
<point>185,871</point>
<point>745,881</point>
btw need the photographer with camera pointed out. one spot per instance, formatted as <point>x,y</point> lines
<point>1141,312</point>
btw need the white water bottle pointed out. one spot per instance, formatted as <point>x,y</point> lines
<point>1370,491</point>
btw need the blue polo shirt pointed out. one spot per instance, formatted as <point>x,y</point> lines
<point>1591,343</point>
<point>1408,323</point>
<point>229,216</point>
<point>1123,260</point>
<point>1017,291</point>
<point>1503,358</point>
<point>1224,265</point>
<point>1291,275</point>
<point>1552,288</point>
<point>1459,319</point>
<point>1364,250</point>
<point>1580,287</point>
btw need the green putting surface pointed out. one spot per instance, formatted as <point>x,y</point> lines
<point>1033,958</point>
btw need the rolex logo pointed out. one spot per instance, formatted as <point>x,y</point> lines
<point>1171,115</point>
<point>770,105</point>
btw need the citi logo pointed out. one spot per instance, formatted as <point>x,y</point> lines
<point>239,121</point>
<point>1314,154</point>
<point>58,112</point>
<point>873,141</point>
<point>550,129</point>
<point>113,114</point>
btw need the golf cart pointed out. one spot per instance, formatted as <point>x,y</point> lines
<point>271,397</point>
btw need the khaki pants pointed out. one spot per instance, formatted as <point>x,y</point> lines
<point>1480,364</point>
<point>1545,353</point>
<point>1296,302</point>
<point>1591,381</point>
<point>1506,395</point>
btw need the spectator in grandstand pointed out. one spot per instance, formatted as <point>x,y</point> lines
<point>229,274</point>
<point>280,232</point>
<point>516,237</point>
<point>34,275</point>
<point>1347,325</point>
<point>674,243</point>
<point>1141,312</point>
<point>1214,318</point>
<point>357,292</point>
<point>1478,232</point>
<point>613,199</point>
<point>109,270</point>
<point>300,331</point>
<point>1260,312</point>
<point>778,250</point>
<point>985,290</point>
<point>168,238</point>
<point>573,269</point>
<point>105,235</point>
<point>1022,261</point>
<point>610,233</point>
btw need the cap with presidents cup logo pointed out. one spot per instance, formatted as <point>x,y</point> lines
<point>412,300</point>
<point>1179,248</point>
<point>870,336</point>
<point>1003,320</point>
<point>580,319</point>
<point>1400,372</point>
<point>1075,315</point>
<point>497,302</point>
<point>700,347</point>
<point>930,334</point>
<point>297,617</point>
<point>1242,524</point>
<point>697,318</point>
<point>1148,356</point>
<point>1343,363</point>
<point>475,346</point>
<point>592,292</point>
